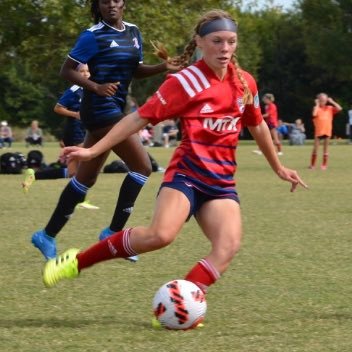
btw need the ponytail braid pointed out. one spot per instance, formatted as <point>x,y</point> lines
<point>247,94</point>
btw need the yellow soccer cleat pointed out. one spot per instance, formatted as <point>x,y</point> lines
<point>64,266</point>
<point>29,178</point>
<point>86,205</point>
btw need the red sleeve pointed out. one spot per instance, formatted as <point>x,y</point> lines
<point>168,102</point>
<point>252,115</point>
<point>335,110</point>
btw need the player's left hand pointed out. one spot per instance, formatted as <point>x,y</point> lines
<point>173,65</point>
<point>291,176</point>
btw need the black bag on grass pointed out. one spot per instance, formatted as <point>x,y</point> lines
<point>12,163</point>
<point>35,159</point>
<point>117,166</point>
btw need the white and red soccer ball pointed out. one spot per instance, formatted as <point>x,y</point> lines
<point>179,305</point>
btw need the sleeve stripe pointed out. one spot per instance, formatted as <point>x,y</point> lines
<point>201,76</point>
<point>193,79</point>
<point>185,85</point>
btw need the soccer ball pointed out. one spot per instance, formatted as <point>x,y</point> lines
<point>179,305</point>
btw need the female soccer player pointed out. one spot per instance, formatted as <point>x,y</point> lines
<point>218,98</point>
<point>323,113</point>
<point>271,117</point>
<point>68,106</point>
<point>112,49</point>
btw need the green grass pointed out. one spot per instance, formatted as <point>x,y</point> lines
<point>289,288</point>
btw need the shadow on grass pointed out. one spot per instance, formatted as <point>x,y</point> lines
<point>72,323</point>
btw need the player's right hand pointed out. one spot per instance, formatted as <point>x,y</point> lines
<point>107,89</point>
<point>76,153</point>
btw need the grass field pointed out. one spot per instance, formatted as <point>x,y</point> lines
<point>289,289</point>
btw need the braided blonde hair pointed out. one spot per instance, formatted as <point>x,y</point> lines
<point>185,58</point>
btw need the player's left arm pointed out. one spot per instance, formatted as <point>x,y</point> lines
<point>262,136</point>
<point>337,106</point>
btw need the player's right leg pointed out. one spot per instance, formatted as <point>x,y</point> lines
<point>73,194</point>
<point>172,210</point>
<point>314,154</point>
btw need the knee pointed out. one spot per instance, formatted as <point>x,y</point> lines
<point>144,168</point>
<point>162,238</point>
<point>228,250</point>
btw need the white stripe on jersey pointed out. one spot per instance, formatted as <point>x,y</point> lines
<point>185,85</point>
<point>201,76</point>
<point>74,88</point>
<point>193,79</point>
<point>96,27</point>
<point>130,24</point>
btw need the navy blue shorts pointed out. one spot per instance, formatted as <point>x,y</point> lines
<point>195,196</point>
<point>324,136</point>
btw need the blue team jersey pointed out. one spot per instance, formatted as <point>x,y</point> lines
<point>112,56</point>
<point>74,131</point>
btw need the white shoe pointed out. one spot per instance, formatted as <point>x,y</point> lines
<point>280,153</point>
<point>257,152</point>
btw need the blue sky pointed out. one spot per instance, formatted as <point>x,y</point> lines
<point>286,4</point>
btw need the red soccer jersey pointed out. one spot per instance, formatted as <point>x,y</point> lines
<point>212,114</point>
<point>272,117</point>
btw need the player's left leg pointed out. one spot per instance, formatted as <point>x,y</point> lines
<point>324,164</point>
<point>220,220</point>
<point>276,140</point>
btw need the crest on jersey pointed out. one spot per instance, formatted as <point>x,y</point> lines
<point>240,105</point>
<point>135,43</point>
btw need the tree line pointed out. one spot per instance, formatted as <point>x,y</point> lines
<point>293,54</point>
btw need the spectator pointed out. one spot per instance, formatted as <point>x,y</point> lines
<point>34,135</point>
<point>297,133</point>
<point>169,132</point>
<point>145,136</point>
<point>350,123</point>
<point>5,135</point>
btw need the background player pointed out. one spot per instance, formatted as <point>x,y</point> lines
<point>112,49</point>
<point>323,113</point>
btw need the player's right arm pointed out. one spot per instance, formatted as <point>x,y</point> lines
<point>129,125</point>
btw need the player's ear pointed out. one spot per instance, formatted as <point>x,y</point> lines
<point>198,41</point>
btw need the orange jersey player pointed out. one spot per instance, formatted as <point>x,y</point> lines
<point>323,114</point>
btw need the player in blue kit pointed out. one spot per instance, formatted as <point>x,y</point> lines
<point>112,49</point>
<point>67,106</point>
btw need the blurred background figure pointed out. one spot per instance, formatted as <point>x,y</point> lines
<point>324,110</point>
<point>34,134</point>
<point>271,118</point>
<point>169,132</point>
<point>6,137</point>
<point>350,123</point>
<point>282,130</point>
<point>297,133</point>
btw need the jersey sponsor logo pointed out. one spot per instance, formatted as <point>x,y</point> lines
<point>226,123</point>
<point>162,100</point>
<point>206,109</point>
<point>240,104</point>
<point>135,43</point>
<point>113,44</point>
